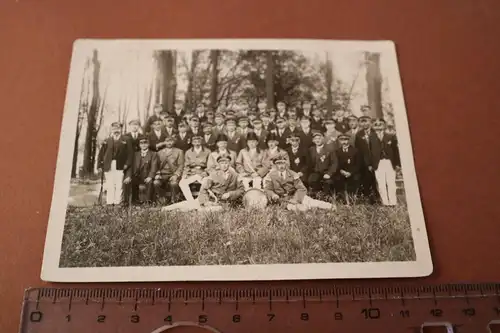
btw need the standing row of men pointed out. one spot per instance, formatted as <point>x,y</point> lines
<point>346,156</point>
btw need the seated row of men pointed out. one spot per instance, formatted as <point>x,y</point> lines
<point>160,167</point>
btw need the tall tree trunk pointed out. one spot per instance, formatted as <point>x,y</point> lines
<point>91,118</point>
<point>158,78</point>
<point>189,98</point>
<point>75,151</point>
<point>214,87</point>
<point>81,111</point>
<point>270,79</point>
<point>374,84</point>
<point>329,82</point>
<point>167,79</point>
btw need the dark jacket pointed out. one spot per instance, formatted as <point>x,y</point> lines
<point>154,139</point>
<point>235,143</point>
<point>299,160</point>
<point>148,127</point>
<point>119,150</point>
<point>324,162</point>
<point>210,144</point>
<point>348,161</point>
<point>283,139</point>
<point>342,126</point>
<point>183,143</point>
<point>306,140</point>
<point>133,142</point>
<point>362,142</point>
<point>385,148</point>
<point>144,167</point>
<point>317,125</point>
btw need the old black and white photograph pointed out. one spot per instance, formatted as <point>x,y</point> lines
<point>234,160</point>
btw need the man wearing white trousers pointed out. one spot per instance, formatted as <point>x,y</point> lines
<point>115,156</point>
<point>195,165</point>
<point>385,162</point>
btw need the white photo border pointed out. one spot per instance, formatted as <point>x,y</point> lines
<point>51,271</point>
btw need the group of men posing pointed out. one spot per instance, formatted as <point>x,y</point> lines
<point>285,152</point>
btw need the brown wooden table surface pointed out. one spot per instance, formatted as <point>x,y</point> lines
<point>449,55</point>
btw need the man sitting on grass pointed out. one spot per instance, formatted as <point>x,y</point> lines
<point>143,171</point>
<point>222,186</point>
<point>284,186</point>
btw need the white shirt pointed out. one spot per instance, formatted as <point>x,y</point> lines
<point>197,150</point>
<point>134,135</point>
<point>182,135</point>
<point>295,150</point>
<point>144,153</point>
<point>283,175</point>
<point>158,133</point>
<point>318,148</point>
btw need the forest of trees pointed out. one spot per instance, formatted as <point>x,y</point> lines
<point>222,80</point>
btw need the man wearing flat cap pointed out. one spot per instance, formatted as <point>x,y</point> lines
<point>385,162</point>
<point>221,149</point>
<point>194,126</point>
<point>209,137</point>
<point>178,111</point>
<point>317,120</point>
<point>171,165</point>
<point>282,132</point>
<point>219,126</point>
<point>115,156</point>
<point>157,109</point>
<point>353,128</point>
<point>364,137</point>
<point>250,163</point>
<point>157,136</point>
<point>221,187</point>
<point>234,141</point>
<point>141,174</point>
<point>282,185</point>
<point>273,150</point>
<point>347,177</point>
<point>195,165</point>
<point>298,156</point>
<point>260,132</point>
<point>133,134</point>
<point>183,139</point>
<point>323,165</point>
<point>169,125</point>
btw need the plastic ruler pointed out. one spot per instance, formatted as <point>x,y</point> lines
<point>460,308</point>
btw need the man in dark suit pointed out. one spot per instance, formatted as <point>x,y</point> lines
<point>194,126</point>
<point>323,165</point>
<point>157,136</point>
<point>171,165</point>
<point>267,125</point>
<point>385,162</point>
<point>143,171</point>
<point>208,137</point>
<point>169,125</point>
<point>157,109</point>
<point>219,127</point>
<point>368,185</point>
<point>305,133</point>
<point>260,133</point>
<point>281,110</point>
<point>341,123</point>
<point>133,139</point>
<point>317,120</point>
<point>353,129</point>
<point>282,132</point>
<point>178,112</point>
<point>306,109</point>
<point>183,139</point>
<point>347,177</point>
<point>200,113</point>
<point>115,157</point>
<point>234,140</point>
<point>298,155</point>
<point>133,135</point>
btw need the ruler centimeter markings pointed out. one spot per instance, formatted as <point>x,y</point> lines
<point>463,307</point>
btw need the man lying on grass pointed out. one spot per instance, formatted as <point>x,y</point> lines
<point>284,186</point>
<point>221,186</point>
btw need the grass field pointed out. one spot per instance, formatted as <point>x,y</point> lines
<point>103,236</point>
